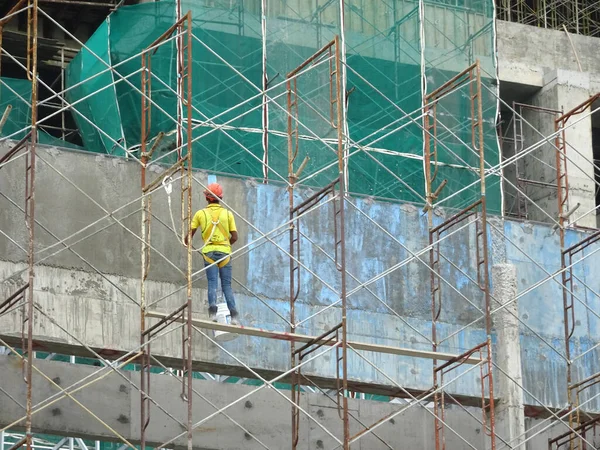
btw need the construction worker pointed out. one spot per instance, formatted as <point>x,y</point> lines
<point>218,233</point>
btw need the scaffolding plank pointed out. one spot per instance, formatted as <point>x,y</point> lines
<point>302,338</point>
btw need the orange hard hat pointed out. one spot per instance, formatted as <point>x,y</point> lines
<point>214,190</point>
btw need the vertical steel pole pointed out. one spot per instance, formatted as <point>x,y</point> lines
<point>30,206</point>
<point>295,394</point>
<point>429,115</point>
<point>481,149</point>
<point>342,194</point>
<point>561,192</point>
<point>559,143</point>
<point>189,162</point>
<point>62,89</point>
<point>265,86</point>
<point>486,276</point>
<point>144,417</point>
<point>180,81</point>
<point>435,312</point>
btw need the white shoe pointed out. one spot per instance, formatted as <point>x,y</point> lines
<point>212,316</point>
<point>235,321</point>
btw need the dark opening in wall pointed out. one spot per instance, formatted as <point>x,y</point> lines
<point>529,174</point>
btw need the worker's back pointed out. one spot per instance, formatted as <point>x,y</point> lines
<point>216,224</point>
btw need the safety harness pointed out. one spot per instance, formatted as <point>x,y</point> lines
<point>208,234</point>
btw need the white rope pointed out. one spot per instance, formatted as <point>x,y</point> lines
<point>167,183</point>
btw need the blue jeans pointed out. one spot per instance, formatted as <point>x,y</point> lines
<point>212,274</point>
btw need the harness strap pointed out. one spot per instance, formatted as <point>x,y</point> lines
<point>222,263</point>
<point>208,233</point>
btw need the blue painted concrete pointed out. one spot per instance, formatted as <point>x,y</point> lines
<point>407,291</point>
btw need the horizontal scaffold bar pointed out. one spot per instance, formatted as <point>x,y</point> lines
<point>302,338</point>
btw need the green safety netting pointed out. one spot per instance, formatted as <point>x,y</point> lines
<point>93,95</point>
<point>16,93</point>
<point>396,53</point>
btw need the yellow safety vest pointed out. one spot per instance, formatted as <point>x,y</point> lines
<point>208,234</point>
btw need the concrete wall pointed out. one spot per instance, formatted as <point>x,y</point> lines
<point>265,414</point>
<point>95,309</point>
<point>546,60</point>
<point>563,90</point>
<point>264,271</point>
<point>526,52</point>
<point>113,398</point>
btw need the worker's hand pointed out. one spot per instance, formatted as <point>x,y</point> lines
<point>185,238</point>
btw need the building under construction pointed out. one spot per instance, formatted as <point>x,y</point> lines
<point>415,184</point>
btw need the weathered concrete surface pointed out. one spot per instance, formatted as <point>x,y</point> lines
<point>94,186</point>
<point>538,66</point>
<point>264,270</point>
<point>510,414</point>
<point>76,307</point>
<point>562,91</point>
<point>264,414</point>
<point>101,310</point>
<point>526,52</point>
<point>114,399</point>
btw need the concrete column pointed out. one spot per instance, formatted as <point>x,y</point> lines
<point>510,417</point>
<point>563,90</point>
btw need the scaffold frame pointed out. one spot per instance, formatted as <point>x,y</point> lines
<point>304,349</point>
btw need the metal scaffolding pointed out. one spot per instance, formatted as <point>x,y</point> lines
<point>575,16</point>
<point>23,298</point>
<point>160,318</point>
